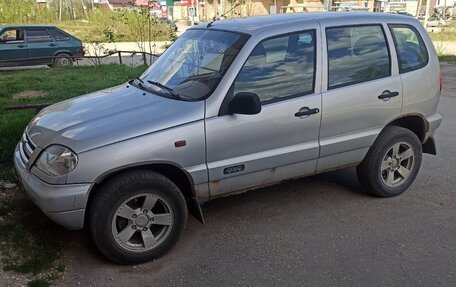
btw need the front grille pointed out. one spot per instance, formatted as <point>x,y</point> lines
<point>26,148</point>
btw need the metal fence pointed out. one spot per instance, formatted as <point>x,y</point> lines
<point>117,57</point>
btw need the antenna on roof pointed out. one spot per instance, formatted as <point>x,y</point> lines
<point>212,22</point>
<point>223,16</point>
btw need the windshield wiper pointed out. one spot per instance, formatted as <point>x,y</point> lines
<point>168,89</point>
<point>140,84</point>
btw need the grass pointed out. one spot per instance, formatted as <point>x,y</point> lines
<point>58,85</point>
<point>448,33</point>
<point>443,36</point>
<point>447,58</point>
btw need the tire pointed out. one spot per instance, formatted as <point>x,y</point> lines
<point>385,172</point>
<point>119,208</point>
<point>62,60</point>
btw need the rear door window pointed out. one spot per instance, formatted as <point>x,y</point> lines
<point>356,54</point>
<point>38,35</point>
<point>58,35</point>
<point>411,50</point>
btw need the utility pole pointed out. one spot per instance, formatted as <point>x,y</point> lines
<point>326,5</point>
<point>60,10</point>
<point>193,12</point>
<point>426,15</point>
<point>418,7</point>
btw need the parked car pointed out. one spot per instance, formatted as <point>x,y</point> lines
<point>170,23</point>
<point>405,13</point>
<point>233,106</point>
<point>38,45</point>
<point>435,21</point>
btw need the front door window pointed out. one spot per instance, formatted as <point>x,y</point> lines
<point>12,37</point>
<point>280,67</point>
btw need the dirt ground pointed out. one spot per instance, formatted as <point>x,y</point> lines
<point>449,79</point>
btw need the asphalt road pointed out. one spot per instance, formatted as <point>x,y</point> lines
<point>317,231</point>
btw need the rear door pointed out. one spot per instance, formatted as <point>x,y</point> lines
<point>363,91</point>
<point>41,44</point>
<point>419,72</point>
<point>12,45</point>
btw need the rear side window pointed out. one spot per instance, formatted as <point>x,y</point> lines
<point>411,50</point>
<point>356,54</point>
<point>38,35</point>
<point>59,35</point>
<point>280,68</point>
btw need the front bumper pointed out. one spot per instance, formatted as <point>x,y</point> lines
<point>64,204</point>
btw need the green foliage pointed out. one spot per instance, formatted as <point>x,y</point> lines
<point>58,84</point>
<point>448,33</point>
<point>128,26</point>
<point>447,58</point>
<point>24,11</point>
<point>92,26</point>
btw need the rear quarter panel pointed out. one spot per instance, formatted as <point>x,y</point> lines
<point>72,46</point>
<point>421,87</point>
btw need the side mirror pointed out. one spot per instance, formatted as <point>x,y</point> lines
<point>245,104</point>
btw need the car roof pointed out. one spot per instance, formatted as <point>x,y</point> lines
<point>256,24</point>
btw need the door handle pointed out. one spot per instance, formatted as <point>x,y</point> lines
<point>387,94</point>
<point>21,46</point>
<point>52,45</point>
<point>306,112</point>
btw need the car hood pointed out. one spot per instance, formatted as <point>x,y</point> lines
<point>109,116</point>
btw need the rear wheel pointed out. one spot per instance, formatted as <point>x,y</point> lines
<point>392,163</point>
<point>63,60</point>
<point>137,217</point>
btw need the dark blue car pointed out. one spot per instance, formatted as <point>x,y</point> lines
<point>38,45</point>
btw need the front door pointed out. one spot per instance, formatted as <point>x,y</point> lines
<point>245,151</point>
<point>41,45</point>
<point>363,91</point>
<point>12,45</point>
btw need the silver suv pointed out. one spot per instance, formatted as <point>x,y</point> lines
<point>232,106</point>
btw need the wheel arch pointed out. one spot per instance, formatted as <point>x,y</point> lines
<point>59,52</point>
<point>414,122</point>
<point>172,171</point>
<point>419,126</point>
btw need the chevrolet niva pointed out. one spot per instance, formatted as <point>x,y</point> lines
<point>232,106</point>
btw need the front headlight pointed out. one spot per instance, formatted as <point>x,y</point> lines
<point>56,160</point>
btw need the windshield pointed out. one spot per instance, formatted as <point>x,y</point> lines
<point>194,65</point>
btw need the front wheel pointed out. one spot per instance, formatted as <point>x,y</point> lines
<point>392,163</point>
<point>137,216</point>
